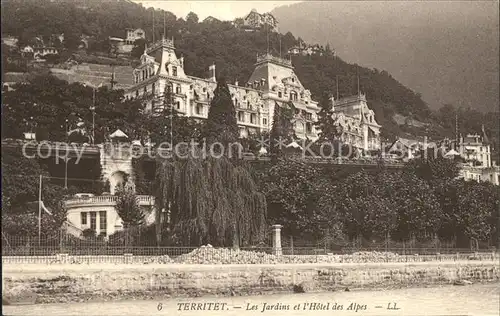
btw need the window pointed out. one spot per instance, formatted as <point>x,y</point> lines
<point>93,223</point>
<point>178,105</point>
<point>199,109</point>
<point>264,121</point>
<point>178,89</point>
<point>83,216</point>
<point>174,71</point>
<point>293,96</point>
<point>309,116</point>
<point>253,118</point>
<point>136,93</point>
<point>102,221</point>
<point>280,94</point>
<point>204,89</point>
<point>241,116</point>
<point>145,91</point>
<point>308,127</point>
<point>153,88</point>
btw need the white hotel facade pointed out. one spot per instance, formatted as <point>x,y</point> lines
<point>273,82</point>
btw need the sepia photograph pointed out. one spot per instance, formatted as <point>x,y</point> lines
<point>229,158</point>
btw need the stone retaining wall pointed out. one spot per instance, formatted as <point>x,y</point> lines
<point>65,283</point>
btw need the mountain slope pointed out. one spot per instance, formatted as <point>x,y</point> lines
<point>446,50</point>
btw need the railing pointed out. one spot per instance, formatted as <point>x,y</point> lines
<point>269,57</point>
<point>248,255</point>
<point>110,199</point>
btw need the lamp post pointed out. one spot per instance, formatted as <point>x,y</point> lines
<point>93,115</point>
<point>66,158</point>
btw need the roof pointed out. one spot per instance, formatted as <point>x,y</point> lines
<point>452,153</point>
<point>16,77</point>
<point>293,145</point>
<point>118,134</point>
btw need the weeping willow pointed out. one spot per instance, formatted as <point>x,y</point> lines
<point>210,200</point>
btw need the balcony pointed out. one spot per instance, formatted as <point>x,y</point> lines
<point>106,200</point>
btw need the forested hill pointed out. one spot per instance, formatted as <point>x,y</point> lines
<point>233,50</point>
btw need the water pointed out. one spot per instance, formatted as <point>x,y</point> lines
<point>480,300</point>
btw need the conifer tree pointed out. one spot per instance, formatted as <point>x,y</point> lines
<point>282,132</point>
<point>221,125</point>
<point>328,130</point>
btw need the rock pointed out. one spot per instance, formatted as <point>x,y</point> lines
<point>298,288</point>
<point>462,282</point>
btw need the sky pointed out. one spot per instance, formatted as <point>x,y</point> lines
<point>222,10</point>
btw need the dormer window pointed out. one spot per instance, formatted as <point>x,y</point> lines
<point>174,71</point>
<point>293,79</point>
<point>166,68</point>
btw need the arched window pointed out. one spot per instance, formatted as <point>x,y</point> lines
<point>293,96</point>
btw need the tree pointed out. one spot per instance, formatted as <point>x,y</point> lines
<point>221,124</point>
<point>328,130</point>
<point>470,209</point>
<point>192,18</point>
<point>434,169</point>
<point>127,206</point>
<point>418,211</point>
<point>293,190</point>
<point>209,200</point>
<point>20,185</point>
<point>282,132</point>
<point>138,49</point>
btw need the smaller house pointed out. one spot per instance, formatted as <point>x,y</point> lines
<point>12,78</point>
<point>405,149</point>
<point>211,19</point>
<point>125,45</point>
<point>474,149</point>
<point>255,20</point>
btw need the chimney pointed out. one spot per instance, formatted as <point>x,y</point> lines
<point>211,71</point>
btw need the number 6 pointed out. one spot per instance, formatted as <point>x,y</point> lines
<point>159,307</point>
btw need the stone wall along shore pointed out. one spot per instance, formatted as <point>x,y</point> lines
<point>41,283</point>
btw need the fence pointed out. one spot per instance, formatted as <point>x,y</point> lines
<point>63,250</point>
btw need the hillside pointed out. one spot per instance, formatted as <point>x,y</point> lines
<point>446,50</point>
<point>234,52</point>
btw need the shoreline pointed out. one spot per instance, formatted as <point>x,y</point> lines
<point>59,283</point>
